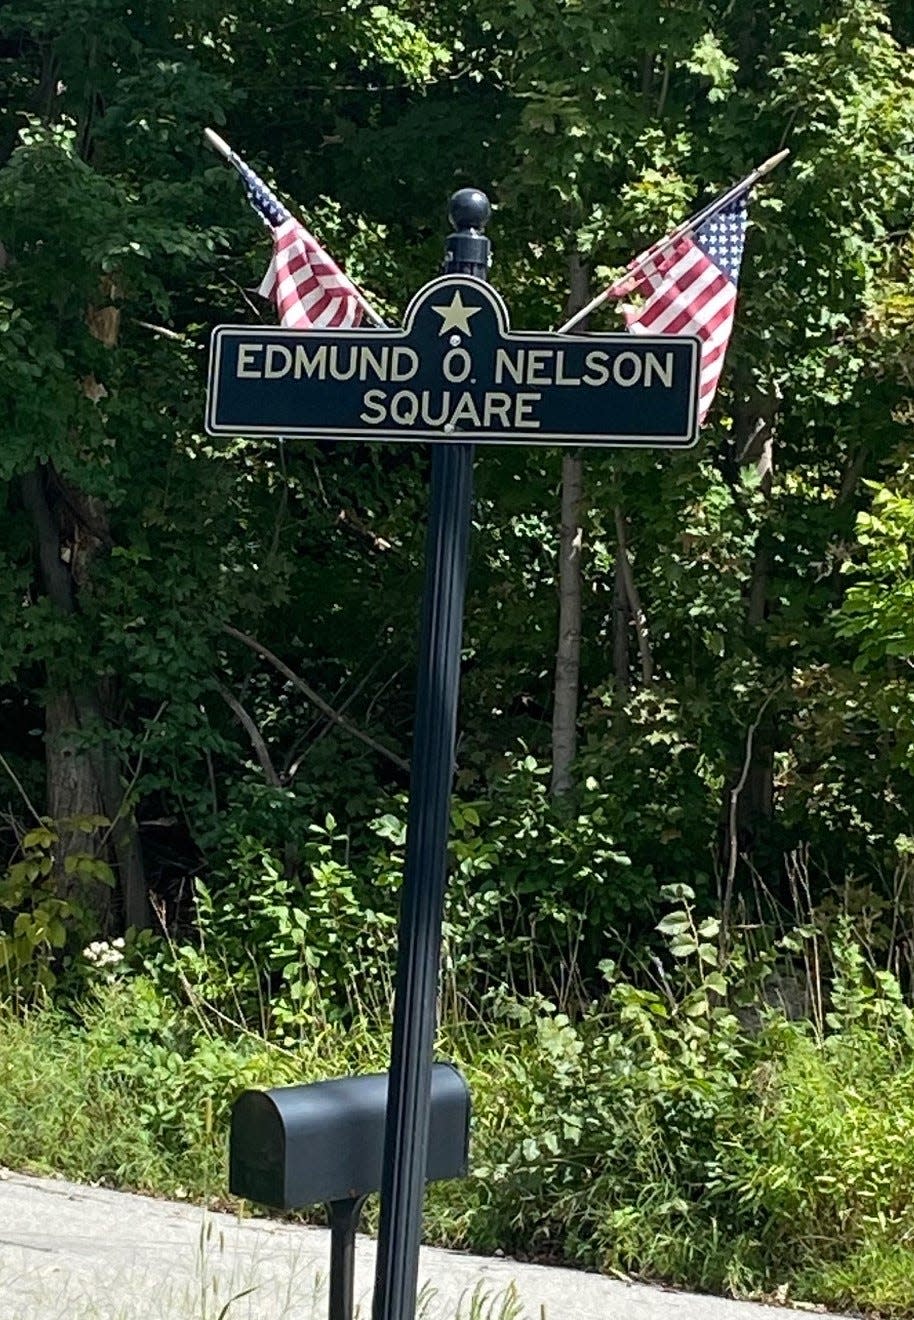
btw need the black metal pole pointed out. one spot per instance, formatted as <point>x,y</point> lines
<point>344,1220</point>
<point>422,903</point>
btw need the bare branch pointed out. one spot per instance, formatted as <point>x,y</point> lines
<point>316,700</point>
<point>349,519</point>
<point>736,790</point>
<point>620,630</point>
<point>252,306</point>
<point>137,771</point>
<point>164,331</point>
<point>201,1007</point>
<point>664,87</point>
<point>382,689</point>
<point>299,756</point>
<point>852,474</point>
<point>251,729</point>
<point>18,782</point>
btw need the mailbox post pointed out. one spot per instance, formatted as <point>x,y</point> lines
<point>344,1219</point>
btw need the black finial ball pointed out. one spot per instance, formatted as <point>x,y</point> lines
<point>469,209</point>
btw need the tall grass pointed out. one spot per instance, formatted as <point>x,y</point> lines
<point>664,1131</point>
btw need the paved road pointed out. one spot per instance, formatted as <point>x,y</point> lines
<point>83,1253</point>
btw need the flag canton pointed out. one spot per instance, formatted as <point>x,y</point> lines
<point>265,203</point>
<point>723,237</point>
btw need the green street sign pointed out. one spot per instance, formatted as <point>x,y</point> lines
<point>455,371</point>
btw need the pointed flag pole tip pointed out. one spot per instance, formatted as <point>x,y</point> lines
<point>217,143</point>
<point>773,161</point>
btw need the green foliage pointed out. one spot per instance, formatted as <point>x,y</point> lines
<point>660,1134</point>
<point>533,886</point>
<point>43,925</point>
<point>878,608</point>
<point>592,129</point>
<point>284,951</point>
<point>664,1129</point>
<point>754,738</point>
<point>877,612</point>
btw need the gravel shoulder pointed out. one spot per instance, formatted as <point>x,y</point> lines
<point>87,1253</point>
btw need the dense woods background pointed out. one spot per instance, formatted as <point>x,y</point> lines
<point>740,694</point>
<point>689,669</point>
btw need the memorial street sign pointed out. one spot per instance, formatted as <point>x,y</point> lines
<point>455,371</point>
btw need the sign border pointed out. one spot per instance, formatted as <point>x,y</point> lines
<point>588,440</point>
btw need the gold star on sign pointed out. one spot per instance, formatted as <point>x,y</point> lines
<point>455,316</point>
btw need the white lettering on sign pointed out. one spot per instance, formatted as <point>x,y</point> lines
<point>548,366</point>
<point>514,366</point>
<point>373,400</point>
<point>560,377</point>
<point>524,403</point>
<point>278,360</point>
<point>664,371</point>
<point>404,363</point>
<point>404,407</point>
<point>329,362</point>
<point>246,354</point>
<point>597,372</point>
<point>393,364</point>
<point>339,355</point>
<point>434,409</point>
<point>310,362</point>
<point>457,365</point>
<point>538,363</point>
<point>628,368</point>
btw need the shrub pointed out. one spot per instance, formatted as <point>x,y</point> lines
<point>657,1131</point>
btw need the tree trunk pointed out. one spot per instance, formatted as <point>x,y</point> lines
<point>756,802</point>
<point>626,577</point>
<point>568,652</point>
<point>620,631</point>
<point>123,837</point>
<point>82,771</point>
<point>72,791</point>
<point>753,433</point>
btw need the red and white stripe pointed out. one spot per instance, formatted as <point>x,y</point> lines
<point>687,294</point>
<point>644,277</point>
<point>310,290</point>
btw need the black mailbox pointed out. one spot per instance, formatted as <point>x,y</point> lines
<point>297,1145</point>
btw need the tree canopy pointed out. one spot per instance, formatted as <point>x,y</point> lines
<point>180,615</point>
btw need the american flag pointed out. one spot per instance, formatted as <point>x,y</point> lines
<point>689,288</point>
<point>309,288</point>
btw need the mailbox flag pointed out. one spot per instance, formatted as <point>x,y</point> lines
<point>689,288</point>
